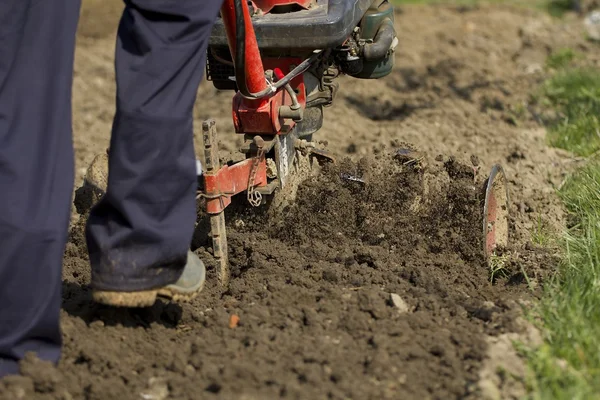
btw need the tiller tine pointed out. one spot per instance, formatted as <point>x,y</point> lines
<point>218,231</point>
<point>495,212</point>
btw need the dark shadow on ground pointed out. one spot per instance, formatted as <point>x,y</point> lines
<point>78,302</point>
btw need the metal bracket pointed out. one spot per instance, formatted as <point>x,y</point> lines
<point>218,230</point>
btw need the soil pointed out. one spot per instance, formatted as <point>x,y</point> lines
<point>359,290</point>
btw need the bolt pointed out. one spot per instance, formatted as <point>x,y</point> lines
<point>259,142</point>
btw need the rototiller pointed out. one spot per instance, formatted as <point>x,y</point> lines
<point>282,58</point>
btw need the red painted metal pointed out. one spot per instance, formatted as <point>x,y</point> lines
<point>267,5</point>
<point>278,73</point>
<point>255,72</point>
<point>264,118</point>
<point>256,119</point>
<point>251,116</point>
<point>229,181</point>
<point>259,116</point>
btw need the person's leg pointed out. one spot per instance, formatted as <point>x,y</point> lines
<point>37,44</point>
<point>139,233</point>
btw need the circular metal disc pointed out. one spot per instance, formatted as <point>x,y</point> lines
<point>495,212</point>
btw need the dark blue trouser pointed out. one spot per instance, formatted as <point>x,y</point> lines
<point>37,40</point>
<point>139,234</point>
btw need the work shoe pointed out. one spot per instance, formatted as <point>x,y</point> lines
<point>189,284</point>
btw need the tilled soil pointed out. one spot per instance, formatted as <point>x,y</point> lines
<point>360,290</point>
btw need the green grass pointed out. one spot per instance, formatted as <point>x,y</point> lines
<point>575,95</point>
<point>542,235</point>
<point>498,266</point>
<point>558,8</point>
<point>567,365</point>
<point>561,59</point>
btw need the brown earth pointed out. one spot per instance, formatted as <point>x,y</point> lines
<point>361,290</point>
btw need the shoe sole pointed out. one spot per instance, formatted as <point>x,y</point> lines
<point>144,298</point>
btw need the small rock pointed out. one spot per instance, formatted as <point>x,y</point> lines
<point>65,396</point>
<point>157,389</point>
<point>189,370</point>
<point>533,68</point>
<point>592,25</point>
<point>489,304</point>
<point>399,303</point>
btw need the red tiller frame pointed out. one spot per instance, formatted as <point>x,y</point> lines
<point>250,116</point>
<point>263,118</point>
<point>267,5</point>
<point>258,117</point>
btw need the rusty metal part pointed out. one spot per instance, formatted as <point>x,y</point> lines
<point>495,212</point>
<point>255,197</point>
<point>249,145</point>
<point>222,183</point>
<point>311,149</point>
<point>217,220</point>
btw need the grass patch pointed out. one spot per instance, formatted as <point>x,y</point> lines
<point>558,8</point>
<point>582,136</point>
<point>575,95</point>
<point>542,235</point>
<point>498,266</point>
<point>561,59</point>
<point>567,365</point>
